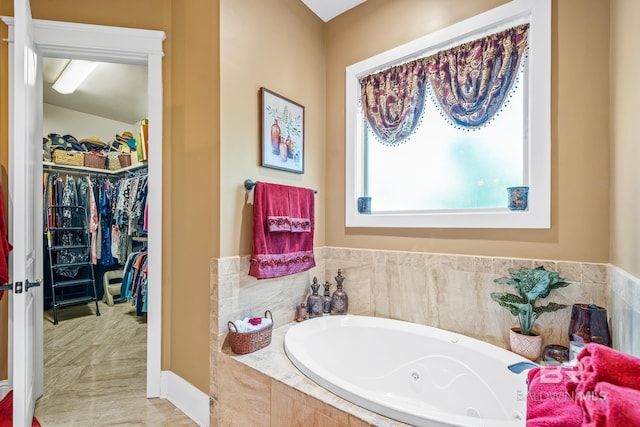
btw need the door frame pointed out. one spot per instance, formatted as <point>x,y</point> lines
<point>129,46</point>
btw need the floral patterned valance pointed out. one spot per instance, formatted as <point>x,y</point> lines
<point>469,82</point>
<point>393,100</point>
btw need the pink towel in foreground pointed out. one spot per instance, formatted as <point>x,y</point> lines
<point>548,403</point>
<point>612,406</point>
<point>284,250</point>
<point>603,364</point>
<point>607,387</point>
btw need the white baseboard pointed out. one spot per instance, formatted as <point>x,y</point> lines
<point>187,398</point>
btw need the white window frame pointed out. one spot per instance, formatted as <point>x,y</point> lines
<point>537,128</point>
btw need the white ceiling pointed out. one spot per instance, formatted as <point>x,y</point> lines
<point>119,91</point>
<point>115,91</point>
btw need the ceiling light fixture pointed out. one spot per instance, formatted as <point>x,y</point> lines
<point>73,75</point>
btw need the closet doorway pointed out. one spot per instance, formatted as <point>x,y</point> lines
<point>136,47</point>
<point>95,164</point>
<point>129,46</point>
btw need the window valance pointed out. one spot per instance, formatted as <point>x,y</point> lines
<point>469,83</point>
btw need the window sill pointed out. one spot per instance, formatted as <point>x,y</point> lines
<point>494,218</point>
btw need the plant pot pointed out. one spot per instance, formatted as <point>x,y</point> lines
<point>529,346</point>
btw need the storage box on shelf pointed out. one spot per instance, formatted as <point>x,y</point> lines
<point>96,161</point>
<point>71,158</point>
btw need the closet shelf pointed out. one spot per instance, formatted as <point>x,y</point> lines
<point>57,166</point>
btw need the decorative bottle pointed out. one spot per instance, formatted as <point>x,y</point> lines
<point>289,144</point>
<point>314,301</point>
<point>275,137</point>
<point>339,299</point>
<point>326,299</point>
<point>283,149</point>
<point>301,312</point>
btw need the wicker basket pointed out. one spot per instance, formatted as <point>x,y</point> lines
<point>113,161</point>
<point>69,158</point>
<point>125,159</point>
<point>96,161</point>
<point>248,342</point>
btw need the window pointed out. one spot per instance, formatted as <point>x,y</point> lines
<point>446,176</point>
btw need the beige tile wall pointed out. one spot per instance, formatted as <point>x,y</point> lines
<point>442,290</point>
<point>624,310</point>
<point>452,291</point>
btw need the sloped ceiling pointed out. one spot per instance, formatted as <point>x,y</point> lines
<point>114,91</point>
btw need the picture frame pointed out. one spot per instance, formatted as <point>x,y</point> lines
<point>282,132</point>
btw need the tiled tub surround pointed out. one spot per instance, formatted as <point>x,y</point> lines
<point>624,310</point>
<point>264,389</point>
<point>446,291</point>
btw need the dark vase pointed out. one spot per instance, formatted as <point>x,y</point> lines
<point>275,137</point>
<point>339,299</point>
<point>315,305</point>
<point>555,354</point>
<point>589,324</point>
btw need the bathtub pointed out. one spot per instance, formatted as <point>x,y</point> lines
<point>412,373</point>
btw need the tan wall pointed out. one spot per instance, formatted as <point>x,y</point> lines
<point>279,45</point>
<point>580,148</point>
<point>191,168</point>
<point>625,147</point>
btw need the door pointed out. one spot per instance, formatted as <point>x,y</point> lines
<point>25,223</point>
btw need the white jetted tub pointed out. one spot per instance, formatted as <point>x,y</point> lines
<point>412,373</point>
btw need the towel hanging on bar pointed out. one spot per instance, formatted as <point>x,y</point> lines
<point>281,251</point>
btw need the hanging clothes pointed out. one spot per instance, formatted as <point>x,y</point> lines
<point>134,286</point>
<point>106,217</point>
<point>71,217</point>
<point>115,213</point>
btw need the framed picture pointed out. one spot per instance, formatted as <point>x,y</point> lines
<point>282,135</point>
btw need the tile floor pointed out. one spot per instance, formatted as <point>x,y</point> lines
<point>95,371</point>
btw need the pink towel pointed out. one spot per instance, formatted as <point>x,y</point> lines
<point>607,382</point>
<point>276,205</point>
<point>277,253</point>
<point>600,363</point>
<point>612,406</point>
<point>299,210</point>
<point>548,403</point>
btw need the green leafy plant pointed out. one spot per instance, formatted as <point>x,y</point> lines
<point>531,284</point>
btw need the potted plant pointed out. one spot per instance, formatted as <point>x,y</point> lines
<point>531,284</point>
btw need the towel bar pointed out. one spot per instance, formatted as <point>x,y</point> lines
<point>249,184</point>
